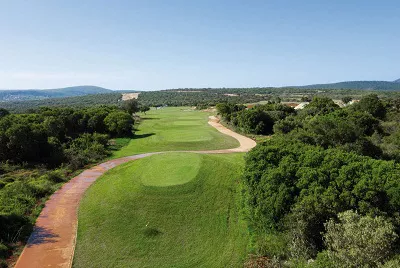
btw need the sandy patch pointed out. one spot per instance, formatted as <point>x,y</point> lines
<point>129,96</point>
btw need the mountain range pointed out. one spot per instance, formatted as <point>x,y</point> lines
<point>37,94</point>
<point>361,85</point>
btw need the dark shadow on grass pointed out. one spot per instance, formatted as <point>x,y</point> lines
<point>152,232</point>
<point>149,118</point>
<point>41,236</point>
<point>136,136</point>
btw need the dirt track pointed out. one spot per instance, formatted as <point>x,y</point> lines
<point>52,242</point>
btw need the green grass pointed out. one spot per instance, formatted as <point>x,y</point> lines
<point>157,212</point>
<point>171,169</point>
<point>175,129</point>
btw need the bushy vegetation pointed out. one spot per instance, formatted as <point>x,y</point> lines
<point>324,190</point>
<point>259,119</point>
<point>195,98</point>
<point>199,97</point>
<point>359,241</point>
<point>203,97</point>
<point>41,150</point>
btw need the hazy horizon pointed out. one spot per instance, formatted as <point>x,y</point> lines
<point>155,45</point>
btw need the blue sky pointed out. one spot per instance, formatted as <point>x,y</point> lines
<point>151,45</point>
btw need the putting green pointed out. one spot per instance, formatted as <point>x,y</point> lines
<point>169,169</point>
<point>196,222</point>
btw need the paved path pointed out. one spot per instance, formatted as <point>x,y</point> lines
<point>52,241</point>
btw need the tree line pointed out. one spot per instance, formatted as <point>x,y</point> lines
<point>28,106</point>
<point>324,190</point>
<point>42,149</point>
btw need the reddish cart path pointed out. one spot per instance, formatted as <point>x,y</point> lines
<point>52,241</point>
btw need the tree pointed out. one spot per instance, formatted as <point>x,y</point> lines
<point>119,123</point>
<point>396,103</point>
<point>359,241</point>
<point>347,99</point>
<point>373,105</point>
<point>228,110</point>
<point>54,127</point>
<point>294,186</point>
<point>305,99</point>
<point>3,112</point>
<point>321,106</point>
<point>131,106</point>
<point>255,121</point>
<point>144,108</point>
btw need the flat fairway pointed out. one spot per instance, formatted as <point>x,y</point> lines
<point>175,129</point>
<point>166,210</point>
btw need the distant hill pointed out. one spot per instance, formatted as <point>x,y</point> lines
<point>363,85</point>
<point>38,94</point>
<point>113,98</point>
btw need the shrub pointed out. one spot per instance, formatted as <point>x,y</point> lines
<point>393,263</point>
<point>255,121</point>
<point>359,241</point>
<point>119,123</point>
<point>272,245</point>
<point>3,251</point>
<point>324,260</point>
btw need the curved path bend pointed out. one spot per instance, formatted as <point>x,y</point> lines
<point>53,239</point>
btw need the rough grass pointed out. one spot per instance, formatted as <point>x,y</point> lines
<point>123,222</point>
<point>175,129</point>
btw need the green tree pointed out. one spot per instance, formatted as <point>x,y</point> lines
<point>144,109</point>
<point>255,121</point>
<point>131,106</point>
<point>228,110</point>
<point>119,123</point>
<point>347,99</point>
<point>3,112</point>
<point>359,241</point>
<point>320,106</point>
<point>373,105</point>
<point>54,127</point>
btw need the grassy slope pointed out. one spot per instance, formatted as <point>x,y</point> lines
<point>124,223</point>
<point>174,128</point>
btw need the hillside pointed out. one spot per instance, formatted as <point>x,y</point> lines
<point>38,94</point>
<point>363,85</point>
<point>76,102</point>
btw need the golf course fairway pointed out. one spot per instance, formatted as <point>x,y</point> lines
<point>165,210</point>
<point>175,129</point>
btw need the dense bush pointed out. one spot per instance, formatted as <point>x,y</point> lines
<point>119,123</point>
<point>320,106</point>
<point>197,97</point>
<point>259,119</point>
<point>359,241</point>
<point>39,151</point>
<point>76,102</point>
<point>325,160</point>
<point>373,105</point>
<point>46,135</point>
<point>296,188</point>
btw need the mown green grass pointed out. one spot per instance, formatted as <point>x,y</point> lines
<point>193,222</point>
<point>175,129</point>
<point>171,169</point>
